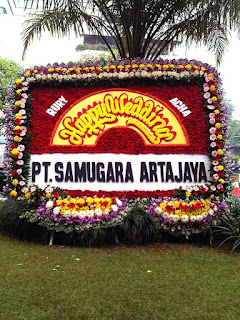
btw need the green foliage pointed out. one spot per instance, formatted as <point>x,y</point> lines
<point>9,72</point>
<point>90,46</point>
<point>141,29</point>
<point>100,58</point>
<point>228,229</point>
<point>138,227</point>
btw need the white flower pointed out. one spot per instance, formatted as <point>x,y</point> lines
<point>106,212</point>
<point>56,210</point>
<point>176,218</point>
<point>98,212</point>
<point>165,215</point>
<point>184,218</point>
<point>171,217</point>
<point>199,217</point>
<point>67,214</point>
<point>49,190</point>
<point>193,219</point>
<point>82,214</point>
<point>158,210</point>
<point>211,212</point>
<point>44,77</point>
<point>114,207</point>
<point>118,202</point>
<point>49,204</point>
<point>89,213</point>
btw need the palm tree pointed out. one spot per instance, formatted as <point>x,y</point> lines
<point>140,28</point>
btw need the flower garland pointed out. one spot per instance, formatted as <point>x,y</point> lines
<point>185,216</point>
<point>18,124</point>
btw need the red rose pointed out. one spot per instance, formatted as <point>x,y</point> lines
<point>14,145</point>
<point>216,104</point>
<point>195,193</point>
<point>218,131</point>
<point>17,132</point>
<point>71,205</point>
<point>14,172</point>
<point>217,117</point>
<point>219,143</point>
<point>17,121</point>
<point>202,190</point>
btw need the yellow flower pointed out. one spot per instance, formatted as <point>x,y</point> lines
<point>221,180</point>
<point>13,193</point>
<point>18,91</point>
<point>105,67</point>
<point>51,69</point>
<point>48,195</point>
<point>188,66</point>
<point>70,69</point>
<point>89,200</point>
<point>15,151</point>
<point>163,205</point>
<point>203,69</point>
<point>15,182</point>
<point>73,200</point>
<point>17,128</point>
<point>97,200</point>
<point>18,81</point>
<point>219,136</point>
<point>218,125</point>
<point>16,138</point>
<point>195,67</point>
<point>216,111</point>
<point>140,66</point>
<point>65,200</point>
<point>28,195</point>
<point>18,116</point>
<point>172,65</point>
<point>210,75</point>
<point>212,87</point>
<point>180,66</point>
<point>149,65</point>
<point>176,204</point>
<point>81,201</point>
<point>28,73</point>
<point>188,193</point>
<point>17,103</point>
<point>165,66</point>
<point>59,201</point>
<point>220,151</point>
<point>212,196</point>
<point>214,98</point>
<point>65,69</point>
<point>112,66</point>
<point>35,71</point>
<point>120,66</point>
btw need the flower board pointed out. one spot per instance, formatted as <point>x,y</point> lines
<point>84,139</point>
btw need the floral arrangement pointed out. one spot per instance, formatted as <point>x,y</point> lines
<point>61,209</point>
<point>184,215</point>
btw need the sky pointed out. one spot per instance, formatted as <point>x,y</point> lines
<point>49,50</point>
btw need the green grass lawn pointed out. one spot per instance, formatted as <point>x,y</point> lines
<point>161,281</point>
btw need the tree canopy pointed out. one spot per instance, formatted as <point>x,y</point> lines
<point>140,28</point>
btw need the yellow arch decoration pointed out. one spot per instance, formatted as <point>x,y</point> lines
<point>84,122</point>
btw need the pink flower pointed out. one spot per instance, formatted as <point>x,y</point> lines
<point>22,134</point>
<point>210,107</point>
<point>215,176</point>
<point>219,186</point>
<point>209,101</point>
<point>214,153</point>
<point>212,121</point>
<point>24,88</point>
<point>20,155</point>
<point>212,130</point>
<point>19,171</point>
<point>24,95</point>
<point>213,144</point>
<point>22,183</point>
<point>25,190</point>
<point>49,190</point>
<point>189,189</point>
<point>213,188</point>
<point>213,137</point>
<point>205,89</point>
<point>205,85</point>
<point>33,189</point>
<point>206,95</point>
<point>25,83</point>
<point>211,115</point>
<point>22,128</point>
<point>207,79</point>
<point>21,147</point>
<point>20,162</point>
<point>215,162</point>
<point>22,111</point>
<point>195,188</point>
<point>215,168</point>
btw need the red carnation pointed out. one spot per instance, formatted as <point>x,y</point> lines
<point>113,200</point>
<point>202,190</point>
<point>17,132</point>
<point>71,205</point>
<point>56,194</point>
<point>216,104</point>
<point>218,143</point>
<point>217,117</point>
<point>195,193</point>
<point>14,172</point>
<point>218,131</point>
<point>14,145</point>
